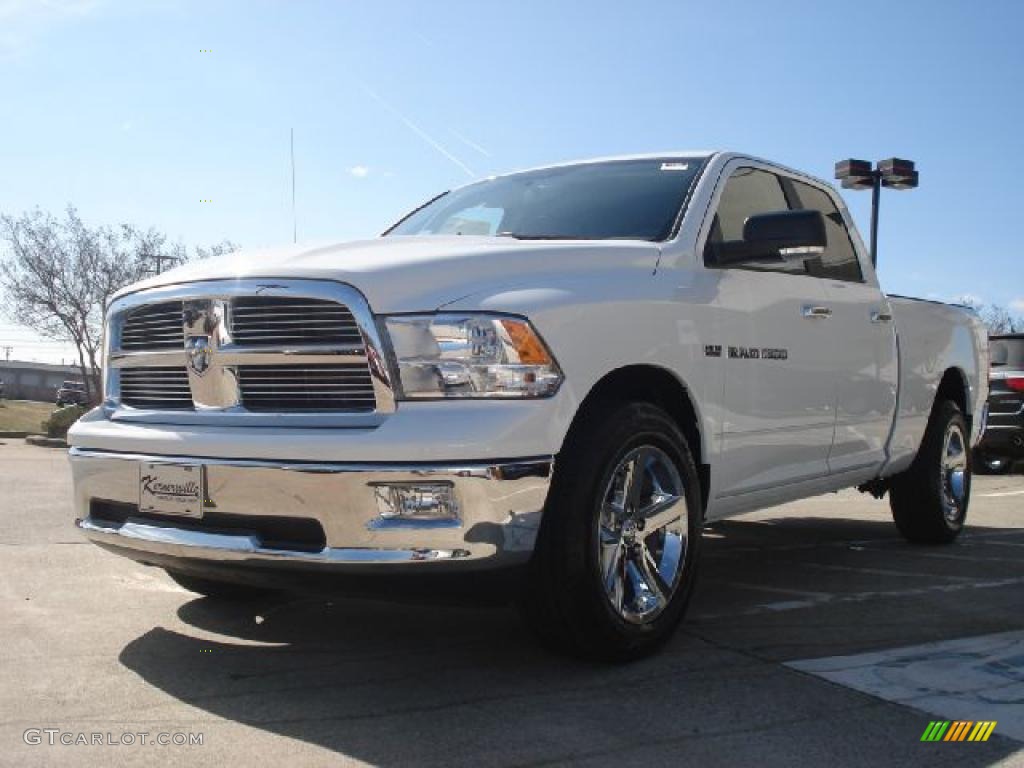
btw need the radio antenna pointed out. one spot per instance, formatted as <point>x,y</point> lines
<point>295,228</point>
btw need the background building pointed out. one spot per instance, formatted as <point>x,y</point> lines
<point>36,381</point>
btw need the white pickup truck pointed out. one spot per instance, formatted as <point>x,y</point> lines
<point>566,371</point>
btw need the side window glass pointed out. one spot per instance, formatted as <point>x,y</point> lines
<point>749,191</point>
<point>839,261</point>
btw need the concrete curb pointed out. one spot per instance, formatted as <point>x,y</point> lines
<point>46,442</point>
<point>14,434</point>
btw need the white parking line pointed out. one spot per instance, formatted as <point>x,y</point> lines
<point>973,678</point>
<point>826,598</point>
<point>1000,494</point>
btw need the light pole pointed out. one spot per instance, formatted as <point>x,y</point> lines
<point>892,173</point>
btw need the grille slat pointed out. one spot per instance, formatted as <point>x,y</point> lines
<point>285,388</point>
<point>265,320</point>
<point>259,322</point>
<point>153,326</point>
<point>156,388</point>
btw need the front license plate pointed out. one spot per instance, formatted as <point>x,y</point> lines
<point>171,489</point>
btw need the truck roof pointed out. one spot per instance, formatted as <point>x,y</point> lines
<point>701,154</point>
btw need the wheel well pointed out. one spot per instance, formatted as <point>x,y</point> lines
<point>649,383</point>
<point>953,386</point>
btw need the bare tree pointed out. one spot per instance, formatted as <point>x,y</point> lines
<point>998,319</point>
<point>153,248</point>
<point>60,275</point>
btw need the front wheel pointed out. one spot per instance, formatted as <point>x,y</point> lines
<point>616,557</point>
<point>929,500</point>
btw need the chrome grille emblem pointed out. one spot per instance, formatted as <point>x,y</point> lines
<point>199,354</point>
<point>214,385</point>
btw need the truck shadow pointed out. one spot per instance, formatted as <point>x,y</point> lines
<point>458,685</point>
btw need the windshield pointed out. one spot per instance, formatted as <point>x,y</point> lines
<point>615,200</point>
<point>1006,352</point>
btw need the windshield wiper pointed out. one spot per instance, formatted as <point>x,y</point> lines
<point>517,236</point>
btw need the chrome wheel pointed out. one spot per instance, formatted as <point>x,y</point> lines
<point>642,534</point>
<point>954,473</point>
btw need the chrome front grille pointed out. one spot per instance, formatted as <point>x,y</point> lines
<point>156,388</point>
<point>306,388</point>
<point>273,352</point>
<point>270,320</point>
<point>153,326</point>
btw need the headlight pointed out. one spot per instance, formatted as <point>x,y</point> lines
<point>470,356</point>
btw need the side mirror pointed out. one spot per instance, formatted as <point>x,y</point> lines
<point>776,235</point>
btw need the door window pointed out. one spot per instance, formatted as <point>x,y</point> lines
<point>749,191</point>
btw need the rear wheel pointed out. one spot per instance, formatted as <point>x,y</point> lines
<point>616,558</point>
<point>221,590</point>
<point>929,501</point>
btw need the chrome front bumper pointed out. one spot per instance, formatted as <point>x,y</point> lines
<point>500,506</point>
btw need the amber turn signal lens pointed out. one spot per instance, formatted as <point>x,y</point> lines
<point>526,343</point>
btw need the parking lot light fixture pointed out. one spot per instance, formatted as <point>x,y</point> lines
<point>893,173</point>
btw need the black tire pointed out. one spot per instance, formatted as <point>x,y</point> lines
<point>220,590</point>
<point>566,602</point>
<point>926,504</point>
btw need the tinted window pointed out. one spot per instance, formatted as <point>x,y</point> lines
<point>839,261</point>
<point>623,199</point>
<point>1007,353</point>
<point>747,192</point>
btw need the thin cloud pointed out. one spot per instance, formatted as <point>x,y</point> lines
<point>359,171</point>
<point>1017,305</point>
<point>426,40</point>
<point>22,9</point>
<point>468,143</point>
<point>22,21</point>
<point>415,128</point>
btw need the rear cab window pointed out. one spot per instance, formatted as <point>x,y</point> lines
<point>839,261</point>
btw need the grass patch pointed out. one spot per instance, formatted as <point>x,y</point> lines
<point>24,415</point>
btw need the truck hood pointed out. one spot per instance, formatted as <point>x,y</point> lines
<point>418,273</point>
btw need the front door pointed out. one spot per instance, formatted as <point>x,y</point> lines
<point>777,344</point>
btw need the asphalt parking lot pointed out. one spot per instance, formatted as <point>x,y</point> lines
<point>816,635</point>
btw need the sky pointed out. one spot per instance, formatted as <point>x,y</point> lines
<point>137,111</point>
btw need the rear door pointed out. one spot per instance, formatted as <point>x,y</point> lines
<point>775,349</point>
<point>863,352</point>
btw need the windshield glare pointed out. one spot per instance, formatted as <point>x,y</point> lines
<point>616,200</point>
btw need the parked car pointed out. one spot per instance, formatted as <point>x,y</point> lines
<point>568,370</point>
<point>1002,445</point>
<point>71,393</point>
